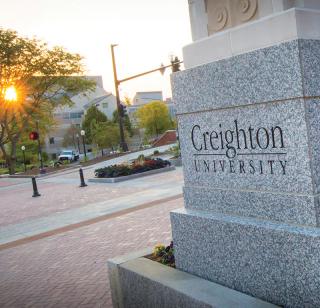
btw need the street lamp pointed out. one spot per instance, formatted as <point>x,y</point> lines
<point>83,133</point>
<point>175,67</point>
<point>23,148</point>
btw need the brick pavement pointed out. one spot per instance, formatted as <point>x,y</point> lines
<point>69,269</point>
<point>61,193</point>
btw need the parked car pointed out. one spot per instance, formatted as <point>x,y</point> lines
<point>69,155</point>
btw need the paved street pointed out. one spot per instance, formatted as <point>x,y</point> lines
<point>53,249</point>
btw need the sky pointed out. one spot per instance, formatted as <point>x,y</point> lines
<point>147,33</point>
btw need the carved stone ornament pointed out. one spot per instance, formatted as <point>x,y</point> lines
<point>220,18</point>
<point>246,9</point>
<point>224,14</point>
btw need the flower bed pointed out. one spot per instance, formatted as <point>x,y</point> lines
<point>163,254</point>
<point>139,165</point>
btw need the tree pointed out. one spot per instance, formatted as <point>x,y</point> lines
<point>127,101</point>
<point>92,114</point>
<point>154,117</point>
<point>106,135</point>
<point>42,78</point>
<point>70,137</point>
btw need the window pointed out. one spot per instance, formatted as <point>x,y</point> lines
<point>105,105</point>
<point>51,140</point>
<point>76,115</point>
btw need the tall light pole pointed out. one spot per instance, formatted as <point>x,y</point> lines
<point>23,148</point>
<point>175,63</point>
<point>123,143</point>
<point>83,133</point>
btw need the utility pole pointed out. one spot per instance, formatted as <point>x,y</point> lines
<point>175,64</point>
<point>123,143</point>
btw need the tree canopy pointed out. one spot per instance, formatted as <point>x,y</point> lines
<point>106,135</point>
<point>92,116</point>
<point>154,117</point>
<point>42,77</point>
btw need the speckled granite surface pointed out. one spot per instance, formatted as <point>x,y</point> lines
<point>283,71</point>
<point>277,263</point>
<point>268,74</point>
<point>249,128</point>
<point>277,183</point>
<point>280,207</point>
<point>289,116</point>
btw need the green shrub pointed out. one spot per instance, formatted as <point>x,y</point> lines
<point>45,156</point>
<point>4,170</point>
<point>84,159</point>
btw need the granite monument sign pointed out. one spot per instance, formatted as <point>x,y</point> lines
<point>249,126</point>
<point>248,110</point>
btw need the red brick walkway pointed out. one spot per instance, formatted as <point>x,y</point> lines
<point>69,269</point>
<point>17,205</point>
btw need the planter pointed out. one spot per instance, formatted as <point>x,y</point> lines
<point>139,282</point>
<point>132,176</point>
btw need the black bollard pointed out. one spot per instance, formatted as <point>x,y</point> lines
<point>82,182</point>
<point>35,188</point>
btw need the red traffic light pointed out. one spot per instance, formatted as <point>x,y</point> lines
<point>33,136</point>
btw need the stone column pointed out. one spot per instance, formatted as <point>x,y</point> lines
<point>249,127</point>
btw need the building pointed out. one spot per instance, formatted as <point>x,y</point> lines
<point>142,98</point>
<point>73,115</point>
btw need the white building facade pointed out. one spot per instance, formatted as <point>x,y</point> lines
<point>73,115</point>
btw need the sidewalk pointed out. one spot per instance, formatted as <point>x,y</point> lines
<point>54,248</point>
<point>64,204</point>
<point>69,269</point>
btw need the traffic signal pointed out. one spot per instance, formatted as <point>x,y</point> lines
<point>34,136</point>
<point>175,65</point>
<point>122,110</point>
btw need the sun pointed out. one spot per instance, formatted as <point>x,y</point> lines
<point>10,94</point>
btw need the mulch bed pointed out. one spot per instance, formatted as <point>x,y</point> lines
<point>152,257</point>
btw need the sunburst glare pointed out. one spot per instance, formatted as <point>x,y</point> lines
<point>10,94</point>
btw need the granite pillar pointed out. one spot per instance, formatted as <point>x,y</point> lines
<point>249,127</point>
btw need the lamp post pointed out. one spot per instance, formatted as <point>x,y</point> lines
<point>78,142</point>
<point>175,67</point>
<point>83,133</point>
<point>23,148</point>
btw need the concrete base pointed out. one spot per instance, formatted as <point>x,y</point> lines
<point>176,161</point>
<point>272,261</point>
<point>130,177</point>
<point>139,282</point>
